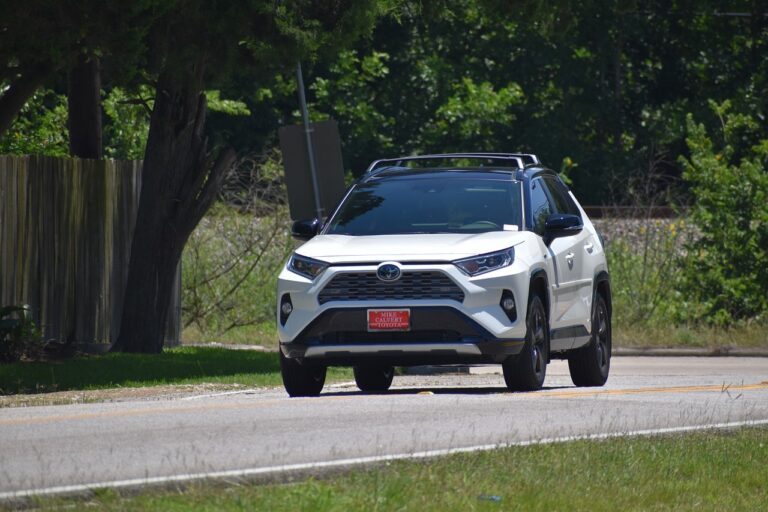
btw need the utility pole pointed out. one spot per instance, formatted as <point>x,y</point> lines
<point>308,136</point>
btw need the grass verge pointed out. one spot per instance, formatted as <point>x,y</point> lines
<point>703,471</point>
<point>264,334</point>
<point>752,336</point>
<point>186,365</point>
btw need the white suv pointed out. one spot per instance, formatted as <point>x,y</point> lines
<point>447,259</point>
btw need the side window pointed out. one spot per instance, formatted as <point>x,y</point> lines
<point>562,202</point>
<point>540,207</point>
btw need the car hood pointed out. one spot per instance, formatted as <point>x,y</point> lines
<point>415,247</point>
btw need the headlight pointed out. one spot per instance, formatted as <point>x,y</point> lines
<point>477,265</point>
<point>306,267</point>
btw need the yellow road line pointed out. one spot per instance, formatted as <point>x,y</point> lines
<point>133,412</point>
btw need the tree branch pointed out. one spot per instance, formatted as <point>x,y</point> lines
<point>203,199</point>
<point>20,91</point>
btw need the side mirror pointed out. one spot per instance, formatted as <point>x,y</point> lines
<point>561,224</point>
<point>306,229</point>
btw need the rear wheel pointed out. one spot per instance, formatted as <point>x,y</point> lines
<point>526,371</point>
<point>373,378</point>
<point>590,365</point>
<point>301,380</point>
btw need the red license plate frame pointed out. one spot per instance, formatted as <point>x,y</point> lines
<point>388,320</point>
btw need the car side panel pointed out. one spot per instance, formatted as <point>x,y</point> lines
<point>594,262</point>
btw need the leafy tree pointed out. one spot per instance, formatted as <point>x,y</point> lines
<point>604,82</point>
<point>40,127</point>
<point>40,38</point>
<point>727,266</point>
<point>194,49</point>
<point>127,122</point>
<point>349,95</point>
<point>473,115</point>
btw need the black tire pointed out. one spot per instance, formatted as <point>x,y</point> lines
<point>527,370</point>
<point>373,378</point>
<point>301,380</point>
<point>590,365</point>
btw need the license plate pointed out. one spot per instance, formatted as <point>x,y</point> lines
<point>389,319</point>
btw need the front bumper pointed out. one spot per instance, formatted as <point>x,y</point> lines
<point>437,335</point>
<point>473,330</point>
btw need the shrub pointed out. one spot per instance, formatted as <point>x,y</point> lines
<point>646,271</point>
<point>19,336</point>
<point>726,268</point>
<point>232,259</point>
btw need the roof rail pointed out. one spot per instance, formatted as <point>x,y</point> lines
<point>518,158</point>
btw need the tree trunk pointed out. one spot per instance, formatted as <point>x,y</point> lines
<point>20,90</point>
<point>179,183</point>
<point>84,104</point>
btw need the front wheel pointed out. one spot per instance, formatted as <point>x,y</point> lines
<point>590,365</point>
<point>526,371</point>
<point>373,378</point>
<point>301,380</point>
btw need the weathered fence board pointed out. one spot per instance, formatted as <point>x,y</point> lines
<point>65,238</point>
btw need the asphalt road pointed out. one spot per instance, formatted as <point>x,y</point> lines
<point>262,432</point>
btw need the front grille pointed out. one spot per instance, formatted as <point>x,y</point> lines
<point>411,285</point>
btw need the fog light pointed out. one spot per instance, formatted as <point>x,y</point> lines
<point>507,303</point>
<point>286,308</point>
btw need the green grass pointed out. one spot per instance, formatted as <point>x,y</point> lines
<point>696,472</point>
<point>186,365</point>
<point>751,336</point>
<point>264,334</point>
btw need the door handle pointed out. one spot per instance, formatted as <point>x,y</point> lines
<point>569,256</point>
<point>588,247</point>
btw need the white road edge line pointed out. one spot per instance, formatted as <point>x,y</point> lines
<point>253,390</point>
<point>221,393</point>
<point>244,473</point>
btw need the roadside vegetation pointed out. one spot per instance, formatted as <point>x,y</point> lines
<point>660,106</point>
<point>177,366</point>
<point>718,470</point>
<point>696,279</point>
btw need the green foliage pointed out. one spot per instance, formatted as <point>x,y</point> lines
<point>646,273</point>
<point>232,107</point>
<point>474,114</point>
<point>127,123</point>
<point>40,128</point>
<point>19,336</point>
<point>347,95</point>
<point>727,266</point>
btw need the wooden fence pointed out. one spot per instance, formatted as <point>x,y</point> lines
<point>65,238</point>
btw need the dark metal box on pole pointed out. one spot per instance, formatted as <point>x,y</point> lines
<point>330,169</point>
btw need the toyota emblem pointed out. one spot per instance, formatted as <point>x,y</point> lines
<point>388,272</point>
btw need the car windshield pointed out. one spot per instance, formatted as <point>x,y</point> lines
<point>429,205</point>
